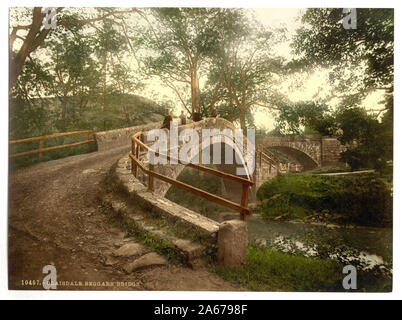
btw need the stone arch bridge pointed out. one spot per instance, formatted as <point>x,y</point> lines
<point>309,151</point>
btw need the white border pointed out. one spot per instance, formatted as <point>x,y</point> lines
<point>141,295</point>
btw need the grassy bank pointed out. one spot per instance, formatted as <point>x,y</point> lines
<point>363,199</point>
<point>270,270</point>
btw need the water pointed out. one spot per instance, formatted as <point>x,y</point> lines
<point>372,246</point>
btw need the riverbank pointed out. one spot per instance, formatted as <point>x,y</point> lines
<point>270,270</point>
<point>359,200</point>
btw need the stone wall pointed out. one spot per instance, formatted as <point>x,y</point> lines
<point>107,140</point>
<point>331,149</point>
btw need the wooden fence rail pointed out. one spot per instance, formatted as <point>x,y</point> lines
<point>241,207</point>
<point>41,140</point>
<point>266,158</point>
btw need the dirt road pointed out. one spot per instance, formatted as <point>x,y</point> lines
<point>55,218</point>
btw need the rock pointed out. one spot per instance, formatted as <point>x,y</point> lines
<point>117,244</point>
<point>281,217</point>
<point>128,250</point>
<point>148,260</point>
<point>110,261</point>
<point>261,242</point>
<point>88,171</point>
<point>232,243</point>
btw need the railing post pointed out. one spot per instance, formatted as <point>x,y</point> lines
<point>244,202</point>
<point>40,148</point>
<point>150,178</point>
<point>133,164</point>
<point>89,138</point>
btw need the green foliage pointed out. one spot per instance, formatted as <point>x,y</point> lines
<point>270,270</point>
<point>362,200</point>
<point>293,116</point>
<point>361,58</point>
<point>369,142</point>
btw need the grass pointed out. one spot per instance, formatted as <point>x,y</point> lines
<point>270,270</point>
<point>361,200</point>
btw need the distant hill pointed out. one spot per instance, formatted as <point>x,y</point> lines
<point>43,116</point>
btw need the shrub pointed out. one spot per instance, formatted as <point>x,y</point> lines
<point>356,199</point>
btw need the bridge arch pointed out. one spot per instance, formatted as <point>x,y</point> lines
<point>233,188</point>
<point>298,156</point>
<point>303,149</point>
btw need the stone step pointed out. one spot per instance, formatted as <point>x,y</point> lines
<point>137,193</point>
<point>190,252</point>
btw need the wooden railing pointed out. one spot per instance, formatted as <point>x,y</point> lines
<point>137,146</point>
<point>41,140</point>
<point>270,159</point>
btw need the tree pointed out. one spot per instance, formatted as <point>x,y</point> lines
<point>361,59</point>
<point>181,41</point>
<point>360,62</point>
<point>33,34</point>
<point>368,141</point>
<point>251,71</point>
<point>295,118</point>
<point>71,69</point>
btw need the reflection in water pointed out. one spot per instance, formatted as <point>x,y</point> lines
<point>371,246</point>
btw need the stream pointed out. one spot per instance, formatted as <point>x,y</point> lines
<point>373,246</point>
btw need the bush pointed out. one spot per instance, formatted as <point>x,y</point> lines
<point>358,199</point>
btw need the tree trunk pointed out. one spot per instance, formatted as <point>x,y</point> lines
<point>195,91</point>
<point>33,39</point>
<point>127,114</point>
<point>242,118</point>
<point>64,109</point>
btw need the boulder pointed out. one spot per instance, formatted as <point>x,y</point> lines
<point>128,250</point>
<point>232,243</point>
<point>148,260</point>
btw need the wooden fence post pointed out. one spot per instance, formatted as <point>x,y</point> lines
<point>89,138</point>
<point>150,178</point>
<point>244,201</point>
<point>133,164</point>
<point>40,149</point>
